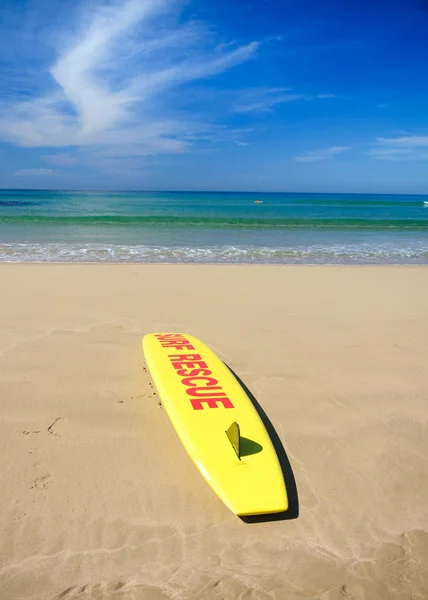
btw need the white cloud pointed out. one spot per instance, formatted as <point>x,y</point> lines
<point>110,80</point>
<point>389,153</point>
<point>403,148</point>
<point>264,99</point>
<point>406,141</point>
<point>323,154</point>
<point>24,172</point>
<point>327,96</point>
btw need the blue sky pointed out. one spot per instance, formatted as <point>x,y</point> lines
<point>275,95</point>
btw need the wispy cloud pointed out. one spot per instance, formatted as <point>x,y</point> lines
<point>406,141</point>
<point>264,99</point>
<point>110,80</point>
<point>403,148</point>
<point>322,154</point>
<point>48,172</point>
<point>327,96</point>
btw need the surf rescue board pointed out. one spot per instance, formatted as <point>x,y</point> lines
<point>217,423</point>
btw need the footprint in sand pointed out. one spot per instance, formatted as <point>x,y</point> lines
<point>95,591</point>
<point>111,591</point>
<point>43,477</point>
<point>57,427</point>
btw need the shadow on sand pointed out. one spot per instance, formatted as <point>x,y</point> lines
<point>287,472</point>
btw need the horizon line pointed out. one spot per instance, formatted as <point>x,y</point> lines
<point>201,191</point>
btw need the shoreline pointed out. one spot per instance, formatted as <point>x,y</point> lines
<point>222,264</point>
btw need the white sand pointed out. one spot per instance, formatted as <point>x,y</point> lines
<point>98,499</point>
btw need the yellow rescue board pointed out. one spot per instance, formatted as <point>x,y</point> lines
<point>217,423</point>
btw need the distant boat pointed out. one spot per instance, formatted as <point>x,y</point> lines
<point>425,203</point>
<point>261,201</point>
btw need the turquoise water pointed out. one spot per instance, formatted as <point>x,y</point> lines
<point>55,226</point>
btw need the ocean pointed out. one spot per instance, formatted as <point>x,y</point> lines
<point>212,227</point>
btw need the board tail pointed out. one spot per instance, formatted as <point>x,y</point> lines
<point>234,435</point>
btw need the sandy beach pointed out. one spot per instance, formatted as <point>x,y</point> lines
<point>99,500</point>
